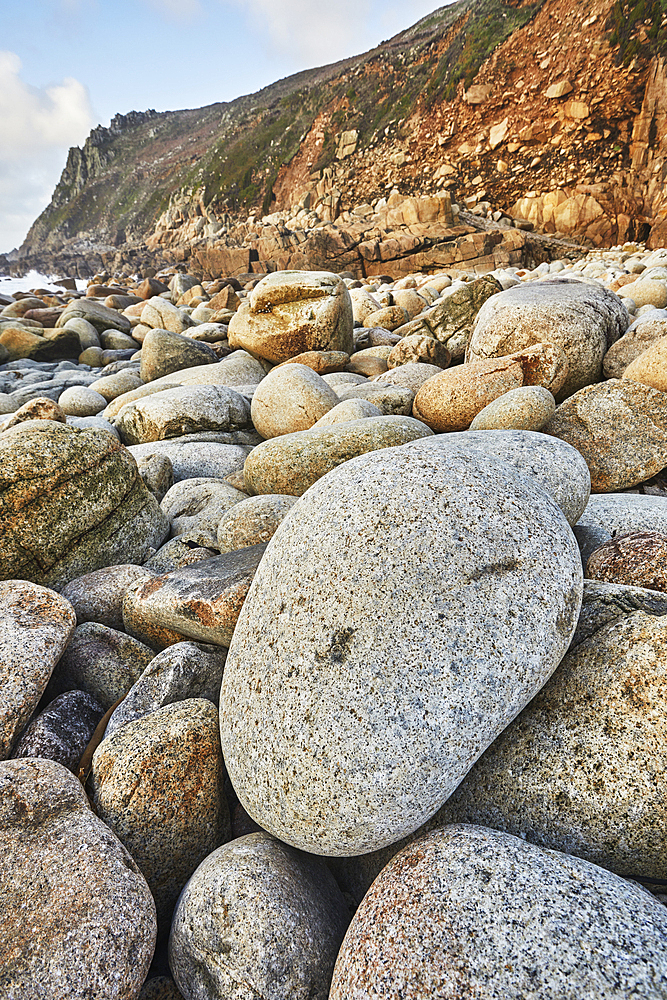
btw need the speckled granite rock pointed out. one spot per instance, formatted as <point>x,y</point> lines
<point>71,501</point>
<point>528,408</point>
<point>185,670</point>
<point>62,731</point>
<point>35,626</point>
<point>441,544</point>
<point>580,770</point>
<point>620,427</point>
<point>166,351</point>
<point>160,988</point>
<point>78,920</point>
<point>176,553</point>
<point>410,375</point>
<point>158,785</point>
<point>556,466</point>
<point>185,410</point>
<point>606,602</point>
<point>583,320</point>
<point>349,409</point>
<point>291,398</point>
<point>253,521</point>
<point>200,602</point>
<point>391,400</point>
<point>292,463</point>
<point>195,458</point>
<point>618,514</point>
<point>157,473</point>
<point>418,349</point>
<point>102,661</point>
<point>535,923</point>
<point>278,915</point>
<point>40,408</point>
<point>98,596</point>
<point>196,506</point>
<point>638,559</point>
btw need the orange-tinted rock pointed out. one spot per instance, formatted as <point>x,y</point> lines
<point>638,559</point>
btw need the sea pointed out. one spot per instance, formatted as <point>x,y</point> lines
<point>33,279</point>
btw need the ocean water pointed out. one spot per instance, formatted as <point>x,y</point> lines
<point>32,280</point>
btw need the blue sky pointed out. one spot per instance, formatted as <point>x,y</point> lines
<point>68,65</point>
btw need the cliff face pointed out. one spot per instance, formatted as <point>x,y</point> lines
<point>553,112</point>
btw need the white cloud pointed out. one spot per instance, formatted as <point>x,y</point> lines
<point>37,125</point>
<point>180,10</point>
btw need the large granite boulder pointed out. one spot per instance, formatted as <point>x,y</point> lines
<point>185,410</point>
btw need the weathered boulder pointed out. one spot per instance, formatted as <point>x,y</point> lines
<point>98,315</point>
<point>194,458</point>
<point>618,514</point>
<point>650,368</point>
<point>637,559</point>
<point>160,314</point>
<point>164,352</point>
<point>639,336</point>
<point>98,596</point>
<point>528,408</point>
<point>185,410</point>
<point>451,319</point>
<point>253,521</point>
<point>291,398</point>
<point>607,602</point>
<point>62,731</point>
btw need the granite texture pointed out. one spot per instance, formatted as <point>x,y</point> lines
<point>78,920</point>
<point>391,400</point>
<point>292,463</point>
<point>584,320</point>
<point>166,351</point>
<point>606,602</point>
<point>98,596</point>
<point>581,769</point>
<point>418,349</point>
<point>257,921</point>
<point>638,559</point>
<point>185,670</point>
<point>555,465</point>
<point>253,521</point>
<point>196,506</point>
<point>410,375</point>
<point>62,731</point>
<point>35,626</point>
<point>157,474</point>
<point>199,602</point>
<point>185,410</point>
<point>618,514</point>
<point>527,408</point>
<point>157,783</point>
<point>349,409</point>
<point>195,458</point>
<point>366,675</point>
<point>469,912</point>
<point>291,398</point>
<point>176,553</point>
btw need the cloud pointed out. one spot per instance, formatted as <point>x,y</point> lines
<point>37,125</point>
<point>179,10</point>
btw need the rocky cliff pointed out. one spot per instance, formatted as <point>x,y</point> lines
<point>552,112</point>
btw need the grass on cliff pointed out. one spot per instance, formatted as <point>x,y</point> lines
<point>625,22</point>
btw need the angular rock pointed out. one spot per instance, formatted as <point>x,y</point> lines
<point>158,785</point>
<point>186,410</point>
<point>201,602</point>
<point>78,919</point>
<point>253,521</point>
<point>638,559</point>
<point>480,574</point>
<point>98,596</point>
<point>620,427</point>
<point>279,913</point>
<point>62,731</point>
<point>583,320</point>
<point>164,352</point>
<point>71,501</point>
<point>290,312</point>
<point>291,463</point>
<point>568,928</point>
<point>35,627</point>
<point>451,319</point>
<point>291,398</point>
<point>185,670</point>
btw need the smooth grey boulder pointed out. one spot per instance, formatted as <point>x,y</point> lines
<point>253,520</point>
<point>35,626</point>
<point>185,410</point>
<point>191,459</point>
<point>98,596</point>
<point>581,769</point>
<point>536,924</point>
<point>102,661</point>
<point>291,398</point>
<point>185,670</point>
<point>389,399</point>
<point>279,916</point>
<point>157,783</point>
<point>164,352</point>
<point>606,602</point>
<point>85,331</point>
<point>98,315</point>
<point>78,920</point>
<point>164,316</point>
<point>607,515</point>
<point>176,553</point>
<point>62,731</point>
<point>554,464</point>
<point>291,463</point>
<point>372,670</point>
<point>583,320</point>
<point>196,506</point>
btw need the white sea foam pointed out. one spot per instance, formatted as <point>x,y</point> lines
<point>32,280</point>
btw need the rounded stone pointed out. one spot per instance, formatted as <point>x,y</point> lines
<point>396,400</point>
<point>40,408</point>
<point>194,459</point>
<point>253,521</point>
<point>78,919</point>
<point>349,409</point>
<point>528,408</point>
<point>111,386</point>
<point>580,770</point>
<point>389,318</point>
<point>648,292</point>
<point>291,398</point>
<point>183,410</point>
<point>62,731</point>
<point>618,514</point>
<point>482,578</point>
<point>638,559</point>
<point>411,375</point>
<point>650,368</point>
<point>158,785</point>
<point>535,923</point>
<point>636,339</point>
<point>278,913</point>
<point>195,507</point>
<point>80,401</point>
<point>98,596</point>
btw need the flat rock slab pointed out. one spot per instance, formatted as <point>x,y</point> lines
<point>581,770</point>
<point>367,673</point>
<point>291,463</point>
<point>536,924</point>
<point>35,627</point>
<point>202,601</point>
<point>620,427</point>
<point>78,919</point>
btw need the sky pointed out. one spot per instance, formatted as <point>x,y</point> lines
<point>69,65</point>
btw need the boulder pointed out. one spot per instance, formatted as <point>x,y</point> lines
<point>17,342</point>
<point>160,314</point>
<point>620,427</point>
<point>80,401</point>
<point>164,352</point>
<point>607,602</point>
<point>583,320</point>
<point>418,349</point>
<point>279,913</point>
<point>291,463</point>
<point>528,408</point>
<point>391,400</point>
<point>98,596</point>
<point>71,501</point>
<point>535,923</point>
<point>324,652</point>
<point>189,459</point>
<point>35,626</point>
<point>636,339</point>
<point>618,514</point>
<point>118,384</point>
<point>184,410</point>
<point>411,375</point>
<point>291,398</point>
<point>98,315</point>
<point>289,312</point>
<point>650,368</point>
<point>39,408</point>
<point>78,919</point>
<point>62,731</point>
<point>349,409</point>
<point>196,506</point>
<point>253,521</point>
<point>638,559</point>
